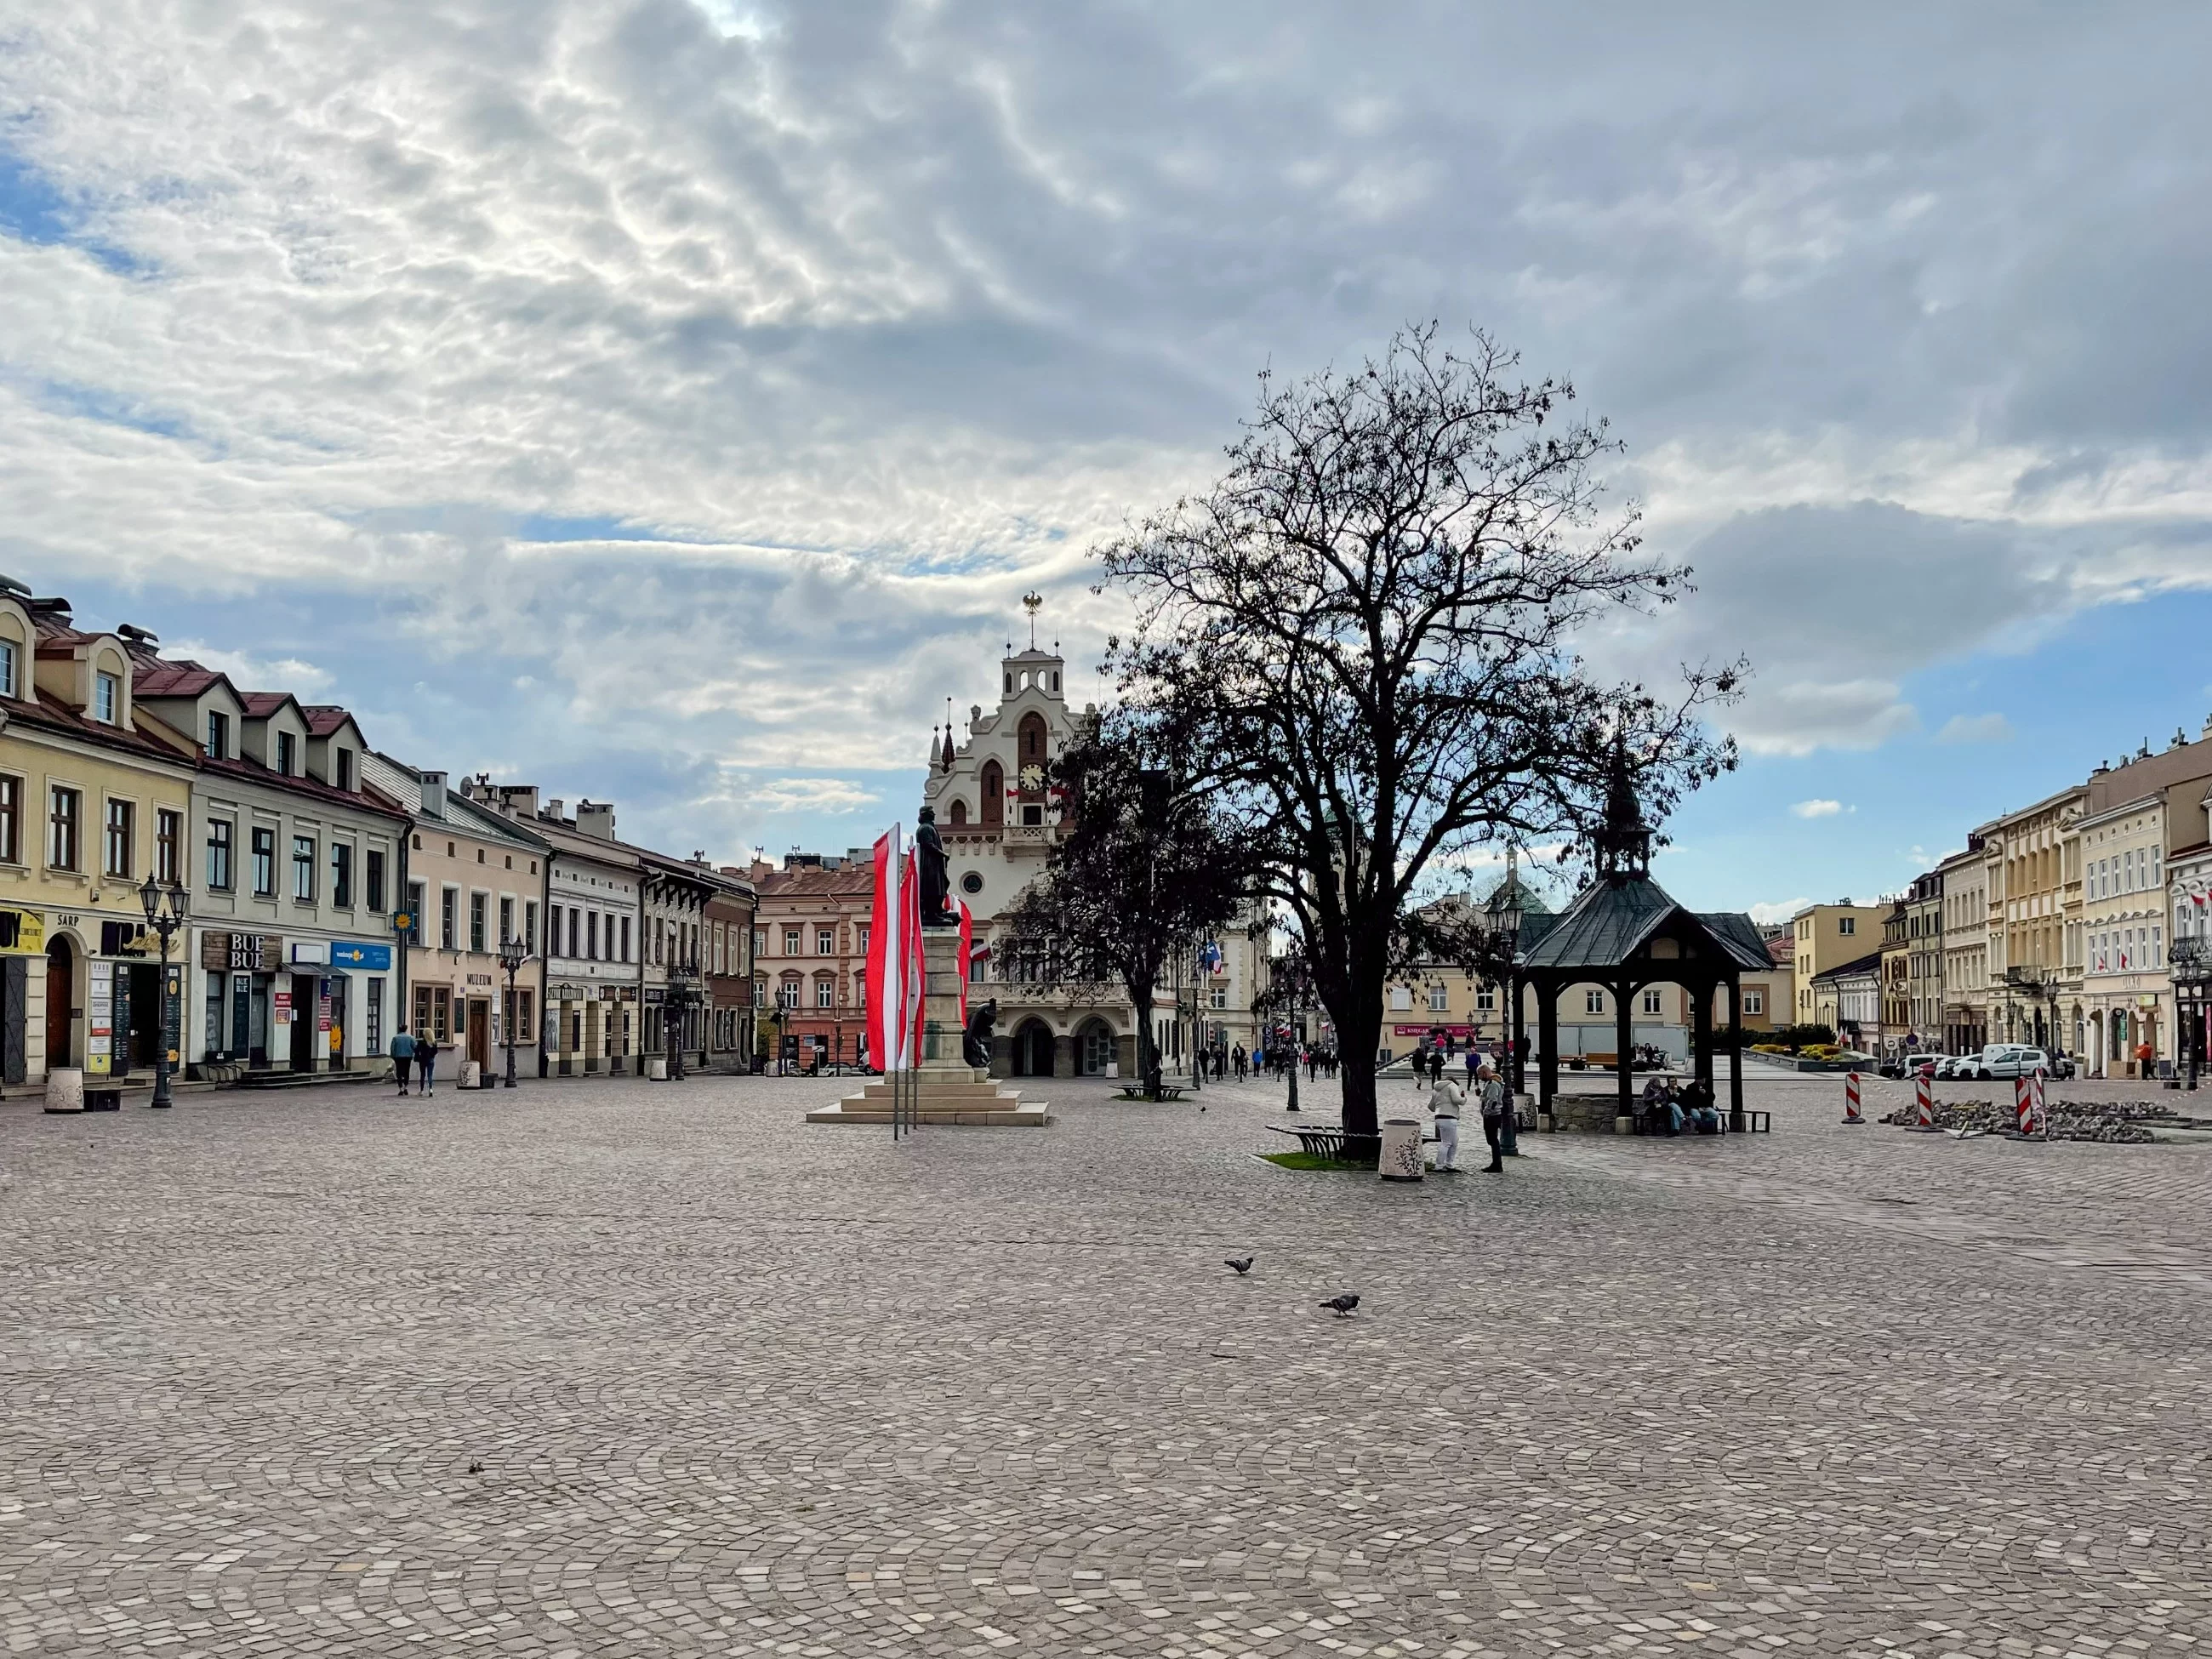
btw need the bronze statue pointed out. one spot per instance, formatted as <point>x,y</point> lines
<point>936,879</point>
<point>976,1042</point>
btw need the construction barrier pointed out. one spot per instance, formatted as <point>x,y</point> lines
<point>2036,1099</point>
<point>1924,1097</point>
<point>2023,1104</point>
<point>1851,1098</point>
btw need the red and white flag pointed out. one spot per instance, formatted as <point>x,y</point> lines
<point>967,954</point>
<point>893,956</point>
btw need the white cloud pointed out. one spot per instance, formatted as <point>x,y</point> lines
<point>1766,914</point>
<point>825,795</point>
<point>1817,809</point>
<point>251,672</point>
<point>1975,728</point>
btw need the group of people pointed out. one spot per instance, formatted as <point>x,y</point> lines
<point>1671,1109</point>
<point>418,1053</point>
<point>1500,1121</point>
<point>1319,1062</point>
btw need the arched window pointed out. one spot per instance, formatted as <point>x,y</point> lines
<point>1031,740</point>
<point>959,811</point>
<point>994,794</point>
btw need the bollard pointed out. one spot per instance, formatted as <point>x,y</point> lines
<point>2023,1105</point>
<point>1851,1098</point>
<point>1924,1097</point>
<point>2042,1115</point>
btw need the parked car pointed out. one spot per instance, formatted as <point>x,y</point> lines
<point>1950,1065</point>
<point>2010,1059</point>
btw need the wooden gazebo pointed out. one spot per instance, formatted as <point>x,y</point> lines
<point>1624,932</point>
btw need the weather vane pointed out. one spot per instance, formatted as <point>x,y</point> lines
<point>1032,601</point>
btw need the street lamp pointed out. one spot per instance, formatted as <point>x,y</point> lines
<point>674,1001</point>
<point>511,958</point>
<point>2190,968</point>
<point>1504,933</point>
<point>164,909</point>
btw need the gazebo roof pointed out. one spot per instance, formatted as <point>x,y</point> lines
<point>1614,918</point>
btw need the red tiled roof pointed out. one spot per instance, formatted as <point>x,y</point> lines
<point>845,881</point>
<point>260,704</point>
<point>154,677</point>
<point>323,718</point>
<point>51,714</point>
<point>369,795</point>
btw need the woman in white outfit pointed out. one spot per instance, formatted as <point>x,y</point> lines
<point>1445,1098</point>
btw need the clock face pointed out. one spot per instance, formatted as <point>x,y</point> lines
<point>1033,776</point>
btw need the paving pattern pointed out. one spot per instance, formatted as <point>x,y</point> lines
<point>607,1368</point>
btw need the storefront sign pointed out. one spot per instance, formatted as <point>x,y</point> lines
<point>100,1020</point>
<point>242,953</point>
<point>127,938</point>
<point>22,932</point>
<point>367,958</point>
<point>480,979</point>
<point>312,954</point>
<point>280,1008</point>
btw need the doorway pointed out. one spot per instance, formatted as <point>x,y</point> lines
<point>303,1022</point>
<point>480,1034</point>
<point>61,1016</point>
<point>1032,1055</point>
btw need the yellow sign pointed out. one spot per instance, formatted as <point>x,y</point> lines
<point>22,932</point>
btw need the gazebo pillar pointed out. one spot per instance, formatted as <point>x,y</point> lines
<point>1701,1033</point>
<point>1624,1112</point>
<point>1547,1062</point>
<point>1737,1124</point>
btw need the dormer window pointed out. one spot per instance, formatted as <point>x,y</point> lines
<point>218,734</point>
<point>342,769</point>
<point>7,660</point>
<point>107,698</point>
<point>288,748</point>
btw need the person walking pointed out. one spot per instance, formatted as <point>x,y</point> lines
<point>402,1056</point>
<point>1445,1099</point>
<point>426,1062</point>
<point>1493,1112</point>
<point>1435,1065</point>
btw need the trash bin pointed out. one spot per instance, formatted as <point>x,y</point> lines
<point>656,1068</point>
<point>1402,1159</point>
<point>65,1089</point>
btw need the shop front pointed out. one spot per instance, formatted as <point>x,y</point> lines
<point>22,993</point>
<point>241,976</point>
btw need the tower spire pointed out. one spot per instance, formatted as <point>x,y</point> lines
<point>1622,841</point>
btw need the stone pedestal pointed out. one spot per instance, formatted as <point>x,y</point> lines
<point>65,1089</point>
<point>947,1088</point>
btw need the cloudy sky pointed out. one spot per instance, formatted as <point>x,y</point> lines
<point>668,400</point>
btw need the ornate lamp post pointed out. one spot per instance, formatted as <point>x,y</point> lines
<point>511,958</point>
<point>2189,966</point>
<point>1504,941</point>
<point>675,1001</point>
<point>166,909</point>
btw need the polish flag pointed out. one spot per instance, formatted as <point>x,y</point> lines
<point>967,952</point>
<point>894,970</point>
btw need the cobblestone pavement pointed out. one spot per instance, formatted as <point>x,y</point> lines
<point>601,1368</point>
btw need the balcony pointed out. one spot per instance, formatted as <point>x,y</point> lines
<point>1019,838</point>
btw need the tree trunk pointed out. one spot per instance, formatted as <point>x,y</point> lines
<point>1359,1037</point>
<point>1148,1058</point>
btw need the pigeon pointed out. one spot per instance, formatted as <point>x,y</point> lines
<point>475,1467</point>
<point>1243,1266</point>
<point>1342,1305</point>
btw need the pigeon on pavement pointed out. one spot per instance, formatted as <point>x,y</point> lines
<point>1342,1305</point>
<point>1242,1265</point>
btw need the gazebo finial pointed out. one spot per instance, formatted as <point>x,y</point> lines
<point>1622,841</point>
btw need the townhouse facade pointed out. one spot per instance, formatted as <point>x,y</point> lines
<point>95,796</point>
<point>810,957</point>
<point>1826,936</point>
<point>732,914</point>
<point>290,960</point>
<point>1962,879</point>
<point>474,880</point>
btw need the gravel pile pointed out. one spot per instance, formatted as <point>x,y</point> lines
<point>2117,1123</point>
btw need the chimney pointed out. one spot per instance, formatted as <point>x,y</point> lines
<point>434,794</point>
<point>596,820</point>
<point>555,808</point>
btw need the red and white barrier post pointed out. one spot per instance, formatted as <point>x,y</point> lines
<point>1851,1098</point>
<point>1923,1097</point>
<point>2023,1104</point>
<point>2036,1100</point>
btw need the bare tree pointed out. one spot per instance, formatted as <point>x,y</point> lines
<point>1147,865</point>
<point>1366,628</point>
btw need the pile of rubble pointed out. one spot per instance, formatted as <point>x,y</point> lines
<point>2117,1123</point>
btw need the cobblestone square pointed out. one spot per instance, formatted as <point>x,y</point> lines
<point>608,1368</point>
